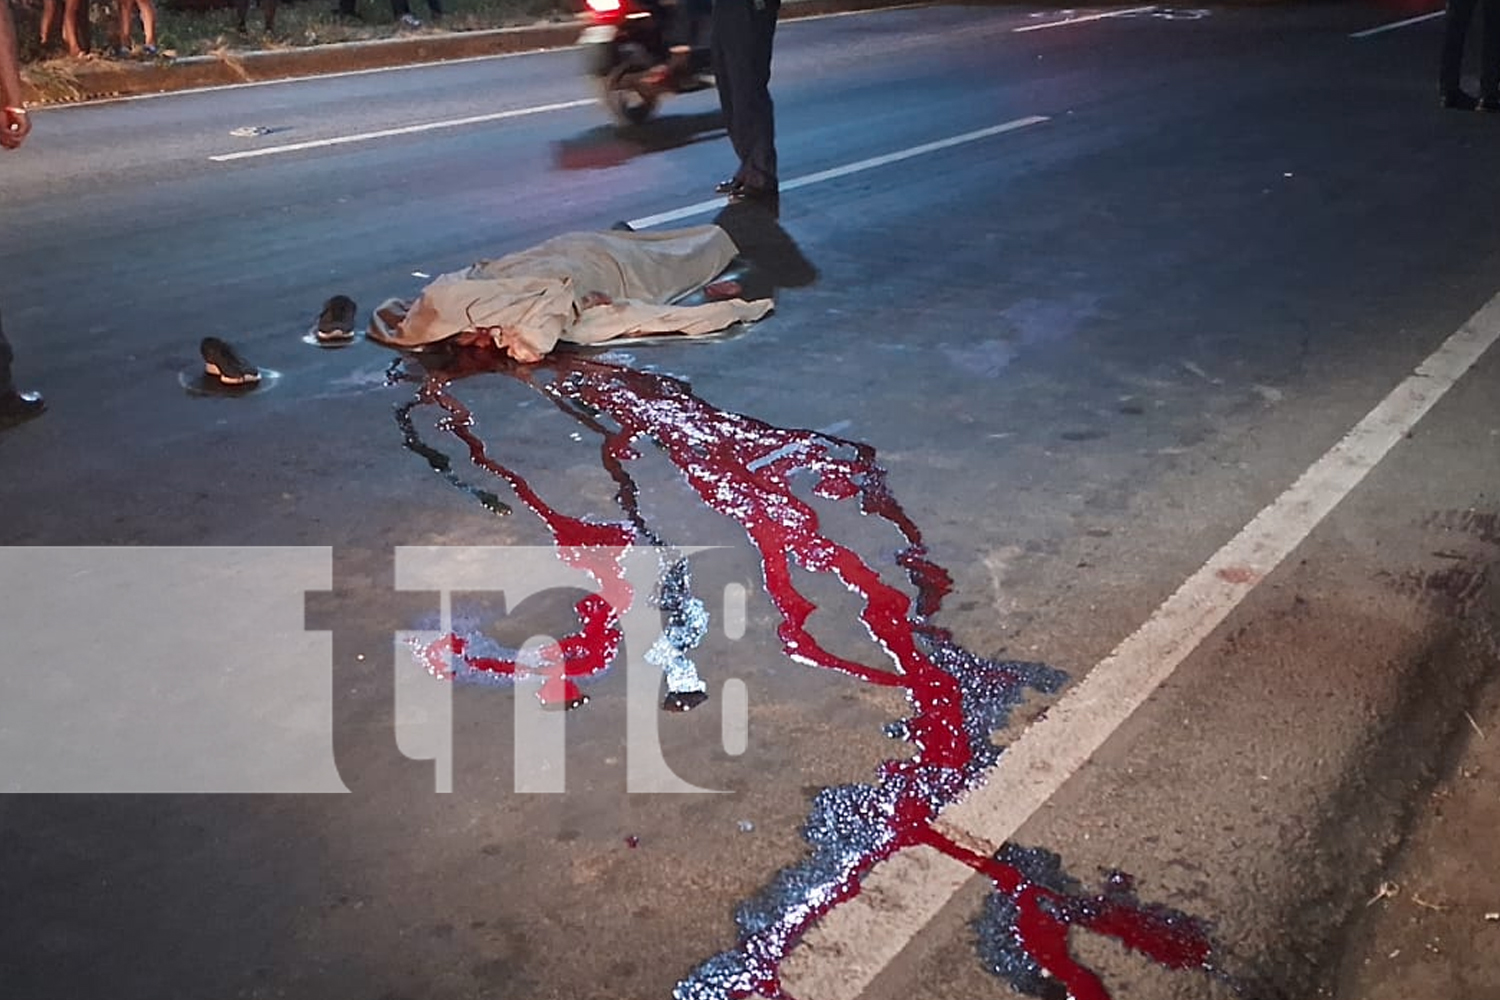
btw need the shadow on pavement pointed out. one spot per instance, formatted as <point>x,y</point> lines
<point>773,259</point>
<point>610,145</point>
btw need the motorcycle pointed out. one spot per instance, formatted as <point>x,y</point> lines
<point>631,61</point>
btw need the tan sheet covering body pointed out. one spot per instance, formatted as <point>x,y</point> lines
<point>530,300</point>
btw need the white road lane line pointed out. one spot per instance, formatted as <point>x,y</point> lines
<point>386,133</point>
<point>703,207</point>
<point>1084,19</point>
<point>1398,24</point>
<point>844,953</point>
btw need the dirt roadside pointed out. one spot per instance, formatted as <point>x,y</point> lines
<point>1431,929</point>
<point>103,80</point>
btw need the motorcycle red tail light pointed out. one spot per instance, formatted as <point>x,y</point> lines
<point>603,6</point>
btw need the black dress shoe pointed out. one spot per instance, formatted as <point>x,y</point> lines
<point>19,407</point>
<point>1460,100</point>
<point>728,186</point>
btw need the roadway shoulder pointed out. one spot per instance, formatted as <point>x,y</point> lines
<point>1269,784</point>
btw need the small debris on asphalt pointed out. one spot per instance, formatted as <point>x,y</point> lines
<point>746,826</point>
<point>249,131</point>
<point>632,841</point>
<point>1387,890</point>
<point>1426,905</point>
<point>1474,724</point>
<point>1492,917</point>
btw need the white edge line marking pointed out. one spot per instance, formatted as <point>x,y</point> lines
<point>385,133</point>
<point>698,208</point>
<point>1398,24</point>
<point>1084,19</point>
<point>404,67</point>
<point>848,949</point>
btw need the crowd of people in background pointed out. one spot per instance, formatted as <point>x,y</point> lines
<point>70,24</point>
<point>71,21</point>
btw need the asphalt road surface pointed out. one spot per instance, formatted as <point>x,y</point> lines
<point>1171,329</point>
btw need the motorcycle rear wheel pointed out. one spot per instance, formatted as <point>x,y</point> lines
<point>626,104</point>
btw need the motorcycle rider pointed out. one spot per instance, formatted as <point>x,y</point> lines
<point>684,28</point>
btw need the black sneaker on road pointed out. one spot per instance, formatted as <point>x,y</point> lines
<point>336,321</point>
<point>221,361</point>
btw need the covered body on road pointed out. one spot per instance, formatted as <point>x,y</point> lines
<point>583,288</point>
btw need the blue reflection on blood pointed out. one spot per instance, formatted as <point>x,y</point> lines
<point>744,468</point>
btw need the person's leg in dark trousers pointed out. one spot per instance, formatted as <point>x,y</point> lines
<point>676,21</point>
<point>721,44</point>
<point>699,15</point>
<point>14,406</point>
<point>1455,33</point>
<point>743,32</point>
<point>7,382</point>
<point>1489,59</point>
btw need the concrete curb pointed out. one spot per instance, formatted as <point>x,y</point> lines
<point>104,80</point>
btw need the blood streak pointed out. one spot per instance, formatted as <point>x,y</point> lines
<point>584,653</point>
<point>749,471</point>
<point>594,547</point>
